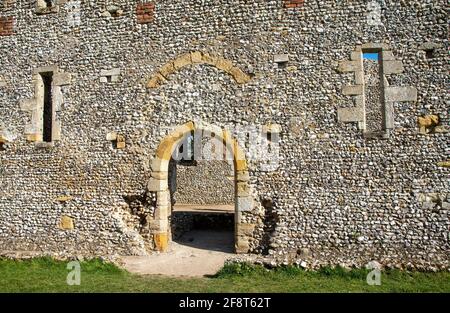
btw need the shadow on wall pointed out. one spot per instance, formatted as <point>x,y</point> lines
<point>271,219</point>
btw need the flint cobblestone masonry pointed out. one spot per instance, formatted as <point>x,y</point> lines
<point>336,197</point>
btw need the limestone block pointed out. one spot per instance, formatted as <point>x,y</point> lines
<point>349,66</point>
<point>209,59</point>
<point>359,77</point>
<point>387,56</point>
<point>159,165</point>
<point>392,67</point>
<point>157,184</point>
<point>163,198</point>
<point>120,142</point>
<point>61,79</point>
<point>245,204</point>
<point>2,81</point>
<point>428,121</point>
<point>28,104</point>
<point>243,176</point>
<point>159,224</point>
<point>161,241</point>
<point>427,46</point>
<point>111,136</point>
<point>375,46</point>
<point>111,72</point>
<point>353,90</point>
<point>389,115</point>
<point>160,175</point>
<point>156,81</point>
<point>354,114</point>
<point>444,164</point>
<point>56,130</point>
<point>242,245</point>
<point>356,56</point>
<point>196,57</point>
<point>241,164</point>
<point>66,223</point>
<point>272,129</point>
<point>400,94</point>
<point>162,213</point>
<point>167,69</point>
<point>224,65</point>
<point>182,61</point>
<point>281,58</point>
<point>442,129</point>
<point>243,189</point>
<point>245,230</point>
<point>33,137</point>
<point>64,198</point>
<point>239,76</point>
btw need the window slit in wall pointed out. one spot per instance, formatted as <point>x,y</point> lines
<point>47,120</point>
<point>429,53</point>
<point>48,3</point>
<point>373,86</point>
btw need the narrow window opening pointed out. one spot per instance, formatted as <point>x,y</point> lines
<point>186,151</point>
<point>373,92</point>
<point>281,60</point>
<point>108,78</point>
<point>47,79</point>
<point>429,53</point>
<point>48,3</point>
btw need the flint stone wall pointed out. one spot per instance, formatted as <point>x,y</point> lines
<point>345,198</point>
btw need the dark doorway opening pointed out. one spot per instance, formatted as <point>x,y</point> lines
<point>202,195</point>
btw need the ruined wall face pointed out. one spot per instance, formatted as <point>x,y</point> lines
<point>339,196</point>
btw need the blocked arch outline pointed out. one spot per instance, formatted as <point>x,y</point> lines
<point>159,183</point>
<point>197,58</point>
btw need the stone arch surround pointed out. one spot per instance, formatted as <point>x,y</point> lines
<point>197,58</point>
<point>159,183</point>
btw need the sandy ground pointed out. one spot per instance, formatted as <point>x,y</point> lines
<point>196,254</point>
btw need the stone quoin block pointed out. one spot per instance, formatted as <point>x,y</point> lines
<point>401,94</point>
<point>145,12</point>
<point>66,223</point>
<point>392,67</point>
<point>353,90</point>
<point>349,66</point>
<point>161,241</point>
<point>157,184</point>
<point>2,81</point>
<point>245,204</point>
<point>350,114</point>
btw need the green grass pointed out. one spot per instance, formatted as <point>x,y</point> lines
<point>47,275</point>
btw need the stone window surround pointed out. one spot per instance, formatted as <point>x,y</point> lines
<point>110,76</point>
<point>34,130</point>
<point>390,94</point>
<point>2,81</point>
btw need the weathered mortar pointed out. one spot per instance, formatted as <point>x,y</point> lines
<point>345,198</point>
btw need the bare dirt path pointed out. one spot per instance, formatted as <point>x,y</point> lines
<point>196,254</point>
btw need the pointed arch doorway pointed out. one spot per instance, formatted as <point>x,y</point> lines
<point>159,183</point>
